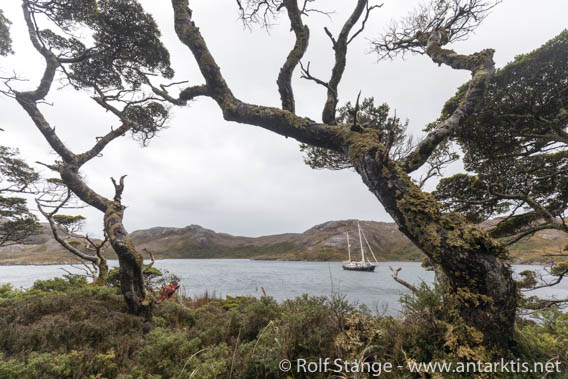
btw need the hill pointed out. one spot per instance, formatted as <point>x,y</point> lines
<point>324,242</point>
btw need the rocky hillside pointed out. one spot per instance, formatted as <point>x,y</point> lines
<point>322,242</point>
<point>325,242</point>
<point>40,249</point>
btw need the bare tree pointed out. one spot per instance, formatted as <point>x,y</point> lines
<point>65,228</point>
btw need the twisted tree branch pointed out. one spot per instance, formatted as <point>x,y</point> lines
<point>302,33</point>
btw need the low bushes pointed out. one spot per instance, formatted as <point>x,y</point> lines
<point>67,328</point>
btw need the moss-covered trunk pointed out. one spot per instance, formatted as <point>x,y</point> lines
<point>130,261</point>
<point>102,271</point>
<point>479,288</point>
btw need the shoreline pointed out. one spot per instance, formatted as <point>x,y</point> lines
<point>4,264</point>
<point>69,263</point>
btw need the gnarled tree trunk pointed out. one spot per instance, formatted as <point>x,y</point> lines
<point>130,261</point>
<point>102,268</point>
<point>478,285</point>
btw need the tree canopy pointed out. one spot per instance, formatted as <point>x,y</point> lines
<point>516,147</point>
<point>17,223</point>
<point>364,115</point>
<point>5,40</point>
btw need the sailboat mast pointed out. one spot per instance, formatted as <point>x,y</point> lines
<point>361,243</point>
<point>348,246</point>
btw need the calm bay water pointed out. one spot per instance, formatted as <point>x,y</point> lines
<point>281,280</point>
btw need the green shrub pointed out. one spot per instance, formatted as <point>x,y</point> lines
<point>6,291</point>
<point>546,337</point>
<point>74,364</point>
<point>68,282</point>
<point>45,319</point>
<point>256,315</point>
<point>313,314</point>
<point>164,352</point>
<point>174,316</point>
<point>66,328</point>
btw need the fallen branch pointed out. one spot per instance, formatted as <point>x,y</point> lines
<point>401,281</point>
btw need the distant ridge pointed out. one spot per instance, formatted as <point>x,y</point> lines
<point>323,242</point>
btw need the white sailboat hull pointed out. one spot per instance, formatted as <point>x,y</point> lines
<point>359,266</point>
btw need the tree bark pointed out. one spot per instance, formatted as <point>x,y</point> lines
<point>478,285</point>
<point>130,261</point>
<point>102,268</point>
<point>302,33</point>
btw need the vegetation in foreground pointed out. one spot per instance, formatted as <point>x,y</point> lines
<point>67,328</point>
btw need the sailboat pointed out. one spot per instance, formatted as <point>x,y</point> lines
<point>363,265</point>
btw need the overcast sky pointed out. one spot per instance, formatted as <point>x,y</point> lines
<point>241,179</point>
